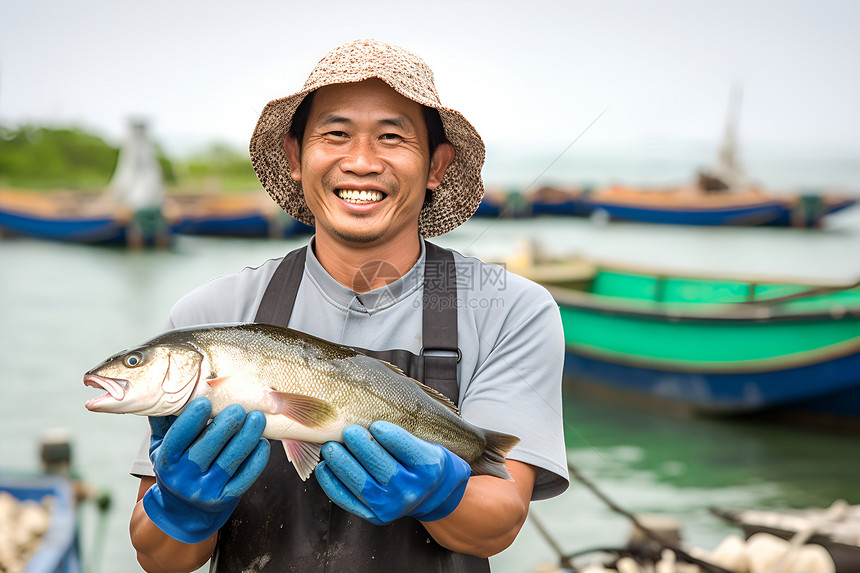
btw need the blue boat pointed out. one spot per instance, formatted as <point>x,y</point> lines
<point>242,215</point>
<point>235,226</point>
<point>243,226</point>
<point>552,201</point>
<point>128,212</point>
<point>810,209</point>
<point>79,218</point>
<point>721,195</point>
<point>88,219</point>
<point>714,345</point>
<point>247,215</point>
<point>764,213</point>
<point>569,207</point>
<point>693,206</point>
<point>78,230</point>
<point>58,551</point>
<point>736,210</point>
<point>498,203</point>
<point>489,208</point>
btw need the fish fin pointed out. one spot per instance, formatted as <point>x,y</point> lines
<point>306,410</point>
<point>492,461</point>
<point>435,394</point>
<point>438,396</point>
<point>215,382</point>
<point>392,366</point>
<point>304,456</point>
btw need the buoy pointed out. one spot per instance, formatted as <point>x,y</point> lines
<point>628,565</point>
<point>730,554</point>
<point>770,554</point>
<point>666,563</point>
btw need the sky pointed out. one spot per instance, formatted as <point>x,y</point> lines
<point>528,75</point>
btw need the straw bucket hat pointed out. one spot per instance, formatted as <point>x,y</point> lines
<point>458,195</point>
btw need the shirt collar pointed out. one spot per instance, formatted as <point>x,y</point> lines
<point>368,302</point>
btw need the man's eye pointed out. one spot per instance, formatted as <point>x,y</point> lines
<point>391,137</point>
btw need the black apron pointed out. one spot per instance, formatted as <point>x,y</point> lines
<point>285,524</point>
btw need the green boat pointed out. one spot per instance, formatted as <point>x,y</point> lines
<point>725,345</point>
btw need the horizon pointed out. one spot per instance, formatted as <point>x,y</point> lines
<point>663,70</point>
<point>655,163</point>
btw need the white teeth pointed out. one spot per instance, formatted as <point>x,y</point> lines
<point>356,196</point>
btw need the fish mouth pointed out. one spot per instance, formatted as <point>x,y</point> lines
<point>115,389</point>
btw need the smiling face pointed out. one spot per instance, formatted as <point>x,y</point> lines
<point>365,164</point>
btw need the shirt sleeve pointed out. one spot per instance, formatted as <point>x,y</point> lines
<point>142,466</point>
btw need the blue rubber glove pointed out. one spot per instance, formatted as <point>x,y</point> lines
<point>202,470</point>
<point>388,473</point>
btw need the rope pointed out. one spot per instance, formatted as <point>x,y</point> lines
<point>708,567</point>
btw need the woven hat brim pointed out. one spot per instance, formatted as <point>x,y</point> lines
<point>453,202</point>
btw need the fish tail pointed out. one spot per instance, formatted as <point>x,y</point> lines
<point>492,460</point>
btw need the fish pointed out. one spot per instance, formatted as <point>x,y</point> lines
<point>308,388</point>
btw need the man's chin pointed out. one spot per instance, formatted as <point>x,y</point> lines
<point>356,236</point>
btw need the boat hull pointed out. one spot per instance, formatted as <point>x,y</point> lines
<point>834,394</point>
<point>80,218</point>
<point>570,207</point>
<point>769,213</point>
<point>247,227</point>
<point>697,209</point>
<point>84,230</point>
<point>715,346</point>
<point>240,226</point>
<point>249,215</point>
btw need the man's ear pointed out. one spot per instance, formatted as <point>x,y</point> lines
<point>294,154</point>
<point>442,158</point>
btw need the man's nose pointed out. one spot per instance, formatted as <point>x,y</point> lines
<point>361,158</point>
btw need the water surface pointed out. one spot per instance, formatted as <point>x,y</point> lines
<point>64,308</point>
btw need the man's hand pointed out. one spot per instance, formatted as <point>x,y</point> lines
<point>202,469</point>
<point>388,473</point>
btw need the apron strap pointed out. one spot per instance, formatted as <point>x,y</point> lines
<point>277,304</point>
<point>440,352</point>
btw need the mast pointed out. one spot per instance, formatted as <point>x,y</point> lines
<point>728,168</point>
<point>137,182</point>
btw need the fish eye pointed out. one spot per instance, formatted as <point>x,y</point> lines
<point>133,359</point>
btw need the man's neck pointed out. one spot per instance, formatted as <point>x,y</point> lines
<point>366,267</point>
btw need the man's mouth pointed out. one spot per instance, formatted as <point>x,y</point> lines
<point>360,197</point>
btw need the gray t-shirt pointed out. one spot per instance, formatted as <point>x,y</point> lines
<point>509,333</point>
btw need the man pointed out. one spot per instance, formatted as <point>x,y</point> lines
<point>367,154</point>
